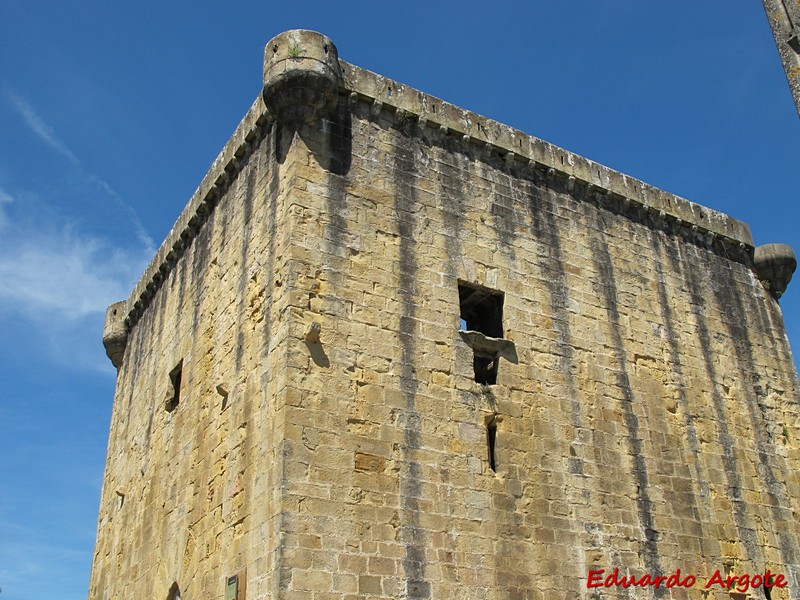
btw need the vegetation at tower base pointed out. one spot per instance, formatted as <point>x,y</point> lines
<point>393,349</point>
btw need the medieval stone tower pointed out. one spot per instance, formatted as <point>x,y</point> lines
<point>394,349</point>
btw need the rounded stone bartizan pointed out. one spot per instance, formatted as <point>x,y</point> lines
<point>301,76</point>
<point>115,332</point>
<point>774,265</point>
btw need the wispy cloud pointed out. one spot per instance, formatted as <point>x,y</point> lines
<point>23,560</point>
<point>5,198</point>
<point>142,235</point>
<point>65,273</point>
<point>40,128</point>
<point>48,135</point>
<point>59,279</point>
<point>58,273</point>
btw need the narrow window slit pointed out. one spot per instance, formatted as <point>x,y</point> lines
<point>222,391</point>
<point>174,395</point>
<point>174,592</point>
<point>788,15</point>
<point>491,442</point>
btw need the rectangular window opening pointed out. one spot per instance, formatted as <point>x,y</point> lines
<point>482,311</point>
<point>175,387</point>
<point>794,42</point>
<point>491,441</point>
<point>485,366</point>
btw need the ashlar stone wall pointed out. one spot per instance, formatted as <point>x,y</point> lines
<point>192,491</point>
<point>425,356</point>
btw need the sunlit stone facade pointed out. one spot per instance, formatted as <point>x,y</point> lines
<point>393,349</point>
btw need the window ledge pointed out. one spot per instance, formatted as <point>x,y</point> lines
<point>483,343</point>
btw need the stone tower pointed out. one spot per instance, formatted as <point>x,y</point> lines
<point>394,349</point>
<point>784,20</point>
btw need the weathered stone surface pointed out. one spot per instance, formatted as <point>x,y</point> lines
<point>784,20</point>
<point>301,76</point>
<point>115,333</point>
<point>329,438</point>
<point>775,264</point>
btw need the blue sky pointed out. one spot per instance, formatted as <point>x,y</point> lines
<point>111,113</point>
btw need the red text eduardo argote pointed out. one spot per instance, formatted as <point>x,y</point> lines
<point>741,583</point>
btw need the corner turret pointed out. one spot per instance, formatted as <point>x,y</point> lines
<point>301,76</point>
<point>775,264</point>
<point>115,332</point>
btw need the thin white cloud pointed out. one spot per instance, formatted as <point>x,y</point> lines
<point>142,235</point>
<point>59,280</point>
<point>40,128</point>
<point>26,559</point>
<point>5,198</point>
<point>48,135</point>
<point>64,274</point>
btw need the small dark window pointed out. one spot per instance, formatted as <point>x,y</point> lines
<point>482,311</point>
<point>224,393</point>
<point>491,440</point>
<point>485,366</point>
<point>174,592</point>
<point>175,387</point>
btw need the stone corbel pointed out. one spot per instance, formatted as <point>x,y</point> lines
<point>489,345</point>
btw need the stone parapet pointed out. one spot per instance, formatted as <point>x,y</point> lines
<point>514,145</point>
<point>227,164</point>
